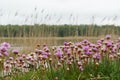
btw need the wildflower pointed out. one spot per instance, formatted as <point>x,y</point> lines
<point>95,49</point>
<point>79,44</point>
<point>118,46</point>
<point>15,51</point>
<point>5,44</point>
<point>44,56</point>
<point>5,54</point>
<point>58,53</point>
<point>88,53</point>
<point>91,45</point>
<point>97,56</point>
<point>24,56</point>
<point>43,52</point>
<point>36,50</point>
<point>108,37</point>
<point>85,41</point>
<point>65,43</point>
<point>69,51</point>
<point>81,68</point>
<point>79,64</point>
<point>10,58</point>
<point>65,49</point>
<point>109,44</point>
<point>3,49</point>
<point>99,41</point>
<point>46,49</point>
<point>86,48</point>
<point>113,50</point>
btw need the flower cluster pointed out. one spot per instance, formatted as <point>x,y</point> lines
<point>67,56</point>
<point>4,47</point>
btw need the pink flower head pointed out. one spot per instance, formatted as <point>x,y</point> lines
<point>104,49</point>
<point>5,54</point>
<point>95,49</point>
<point>108,36</point>
<point>44,56</point>
<point>3,49</point>
<point>99,41</point>
<point>36,50</point>
<point>113,50</point>
<point>69,51</point>
<point>65,49</point>
<point>15,51</point>
<point>79,44</point>
<point>58,52</point>
<point>109,44</point>
<point>20,58</point>
<point>97,56</point>
<point>85,41</point>
<point>43,52</point>
<point>7,67</point>
<point>10,58</point>
<point>81,68</point>
<point>65,43</point>
<point>91,45</point>
<point>46,49</point>
<point>86,48</point>
<point>118,46</point>
<point>5,44</point>
<point>88,53</point>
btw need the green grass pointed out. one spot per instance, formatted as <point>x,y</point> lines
<point>106,70</point>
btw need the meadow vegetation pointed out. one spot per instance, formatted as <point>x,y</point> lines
<point>82,60</point>
<point>57,30</point>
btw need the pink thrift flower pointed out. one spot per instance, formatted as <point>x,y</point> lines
<point>59,52</point>
<point>86,48</point>
<point>69,51</point>
<point>85,41</point>
<point>5,54</point>
<point>95,49</point>
<point>5,44</point>
<point>81,68</point>
<point>44,56</point>
<point>88,53</point>
<point>97,56</point>
<point>65,49</point>
<point>15,51</point>
<point>108,36</point>
<point>10,58</point>
<point>65,43</point>
<point>109,44</point>
<point>3,49</point>
<point>99,41</point>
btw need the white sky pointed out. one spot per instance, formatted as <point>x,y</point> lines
<point>60,11</point>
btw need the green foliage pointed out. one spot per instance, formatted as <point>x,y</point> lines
<point>106,71</point>
<point>57,30</point>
